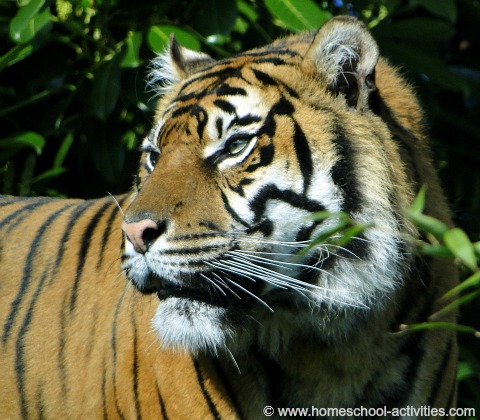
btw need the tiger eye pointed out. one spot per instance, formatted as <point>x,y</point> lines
<point>237,146</point>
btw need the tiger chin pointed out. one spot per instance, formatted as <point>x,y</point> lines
<point>219,243</point>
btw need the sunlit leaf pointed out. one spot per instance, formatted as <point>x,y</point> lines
<point>419,203</point>
<point>25,139</point>
<point>457,241</point>
<point>51,173</point>
<point>15,54</point>
<point>464,371</point>
<point>133,43</point>
<point>159,35</point>
<point>28,21</point>
<point>472,281</point>
<point>429,224</point>
<point>456,304</point>
<point>440,325</point>
<point>298,15</point>
<point>63,150</point>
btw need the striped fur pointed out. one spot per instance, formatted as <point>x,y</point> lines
<point>202,307</point>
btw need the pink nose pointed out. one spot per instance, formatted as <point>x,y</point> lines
<point>141,234</point>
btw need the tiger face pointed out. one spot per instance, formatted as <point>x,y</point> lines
<point>242,153</point>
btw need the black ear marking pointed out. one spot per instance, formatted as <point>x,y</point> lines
<point>185,60</point>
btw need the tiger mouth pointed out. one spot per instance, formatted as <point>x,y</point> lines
<point>197,289</point>
<point>198,295</point>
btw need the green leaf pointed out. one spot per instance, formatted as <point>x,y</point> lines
<point>476,246</point>
<point>419,203</point>
<point>350,233</point>
<point>442,325</point>
<point>436,250</point>
<point>133,43</point>
<point>419,30</point>
<point>51,173</point>
<point>15,54</point>
<point>464,371</point>
<point>158,36</point>
<point>298,15</point>
<point>28,21</point>
<point>429,224</point>
<point>455,304</point>
<point>106,88</point>
<point>25,139</point>
<point>472,281</point>
<point>441,8</point>
<point>63,150</point>
<point>457,241</point>
<point>215,17</point>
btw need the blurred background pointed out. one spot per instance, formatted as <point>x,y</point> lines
<point>74,105</point>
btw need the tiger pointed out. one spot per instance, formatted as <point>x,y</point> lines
<point>204,292</point>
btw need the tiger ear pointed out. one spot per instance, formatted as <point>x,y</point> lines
<point>344,55</point>
<point>175,64</point>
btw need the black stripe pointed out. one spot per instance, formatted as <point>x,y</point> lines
<point>405,140</point>
<point>7,200</point>
<point>226,90</point>
<point>20,365</point>
<point>219,126</point>
<point>274,377</point>
<point>135,369</point>
<point>84,246</point>
<point>439,374</point>
<point>108,230</point>
<point>264,78</point>
<point>181,111</point>
<point>267,153</point>
<point>245,120</point>
<point>40,402</point>
<point>27,272</point>
<point>272,192</point>
<point>413,346</point>
<point>24,212</point>
<point>206,395</point>
<point>222,74</point>
<point>453,392</point>
<point>273,60</point>
<point>61,357</point>
<point>231,211</point>
<point>343,172</point>
<point>113,346</point>
<point>232,395</point>
<point>304,156</point>
<point>225,106</point>
<point>80,208</point>
<point>104,392</point>
<point>269,51</point>
<point>162,403</point>
<point>202,118</point>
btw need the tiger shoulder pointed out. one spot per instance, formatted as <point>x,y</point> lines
<point>204,291</point>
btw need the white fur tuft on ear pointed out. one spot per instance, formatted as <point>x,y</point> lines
<point>175,64</point>
<point>344,54</point>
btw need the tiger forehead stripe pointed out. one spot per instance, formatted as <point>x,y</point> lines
<point>233,66</point>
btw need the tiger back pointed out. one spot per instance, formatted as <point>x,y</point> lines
<point>215,300</point>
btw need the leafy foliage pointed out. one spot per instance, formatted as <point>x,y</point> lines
<point>74,105</point>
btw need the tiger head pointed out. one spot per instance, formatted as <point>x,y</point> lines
<point>242,152</point>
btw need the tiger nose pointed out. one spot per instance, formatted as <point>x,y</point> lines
<point>143,233</point>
